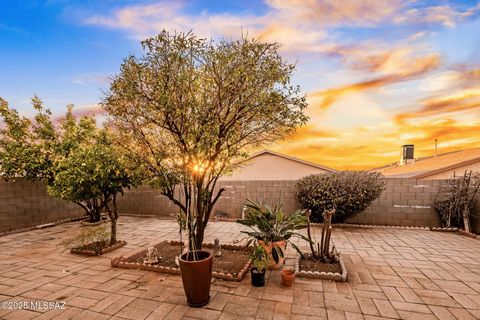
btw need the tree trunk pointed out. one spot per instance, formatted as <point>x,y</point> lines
<point>113,236</point>
<point>98,215</point>
<point>113,219</point>
<point>466,220</point>
<point>310,235</point>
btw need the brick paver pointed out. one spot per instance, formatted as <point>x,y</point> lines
<point>393,274</point>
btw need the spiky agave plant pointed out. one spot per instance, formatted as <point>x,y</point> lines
<point>270,224</point>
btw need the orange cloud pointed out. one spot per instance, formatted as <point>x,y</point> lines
<point>370,149</point>
<point>337,157</point>
<point>406,71</point>
<point>463,100</point>
<point>310,132</point>
<point>445,129</point>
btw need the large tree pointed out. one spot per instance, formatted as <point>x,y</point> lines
<point>189,109</point>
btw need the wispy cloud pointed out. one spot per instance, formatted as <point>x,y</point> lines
<point>331,12</point>
<point>91,110</point>
<point>88,78</point>
<point>445,15</point>
<point>5,27</point>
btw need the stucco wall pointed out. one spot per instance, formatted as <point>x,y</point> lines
<point>24,204</point>
<point>269,166</point>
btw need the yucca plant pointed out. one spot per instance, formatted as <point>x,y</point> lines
<point>270,224</point>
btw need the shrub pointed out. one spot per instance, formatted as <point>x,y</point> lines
<point>348,192</point>
<point>456,201</point>
<point>95,238</point>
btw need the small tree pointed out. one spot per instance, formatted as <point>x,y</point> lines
<point>41,150</point>
<point>92,176</point>
<point>189,109</point>
<point>346,192</point>
<point>456,200</point>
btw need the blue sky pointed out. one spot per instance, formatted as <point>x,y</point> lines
<point>377,73</point>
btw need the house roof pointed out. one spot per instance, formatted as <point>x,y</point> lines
<point>263,152</point>
<point>424,167</point>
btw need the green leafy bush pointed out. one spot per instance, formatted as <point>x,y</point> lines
<point>348,192</point>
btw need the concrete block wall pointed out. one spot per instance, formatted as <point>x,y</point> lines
<point>274,192</point>
<point>145,200</point>
<point>404,202</point>
<point>24,204</point>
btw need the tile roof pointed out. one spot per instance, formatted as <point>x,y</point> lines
<point>424,167</point>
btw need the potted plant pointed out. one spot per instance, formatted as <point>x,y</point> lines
<point>260,259</point>
<point>273,229</point>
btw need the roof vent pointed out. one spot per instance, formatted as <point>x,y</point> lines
<point>407,155</point>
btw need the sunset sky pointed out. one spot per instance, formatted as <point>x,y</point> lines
<point>377,74</point>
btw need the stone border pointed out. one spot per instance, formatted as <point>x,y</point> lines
<point>335,276</point>
<point>120,263</point>
<point>468,234</point>
<point>443,229</point>
<point>368,226</point>
<point>105,250</point>
<point>45,225</point>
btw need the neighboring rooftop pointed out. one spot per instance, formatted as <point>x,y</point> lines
<point>442,166</point>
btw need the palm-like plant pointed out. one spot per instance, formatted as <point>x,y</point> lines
<point>270,224</point>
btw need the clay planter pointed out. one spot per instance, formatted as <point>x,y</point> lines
<point>258,277</point>
<point>288,277</point>
<point>279,244</point>
<point>196,277</point>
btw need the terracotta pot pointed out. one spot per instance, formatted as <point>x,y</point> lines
<point>288,277</point>
<point>268,247</point>
<point>196,277</point>
<point>258,277</point>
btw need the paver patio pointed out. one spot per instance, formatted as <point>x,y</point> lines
<point>393,273</point>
